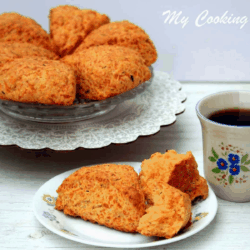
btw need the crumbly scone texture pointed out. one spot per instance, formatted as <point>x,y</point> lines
<point>107,194</point>
<point>17,28</point>
<point>169,210</point>
<point>125,34</point>
<point>200,190</point>
<point>37,80</point>
<point>177,170</point>
<point>13,50</point>
<point>69,25</point>
<point>105,71</point>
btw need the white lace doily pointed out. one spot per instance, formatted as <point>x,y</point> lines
<point>144,115</point>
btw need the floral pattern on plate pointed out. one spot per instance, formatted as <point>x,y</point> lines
<point>52,218</point>
<point>50,200</point>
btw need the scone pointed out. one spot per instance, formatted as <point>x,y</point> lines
<point>107,194</point>
<point>177,170</point>
<point>37,80</point>
<point>200,190</point>
<point>169,210</point>
<point>105,71</point>
<point>69,25</point>
<point>17,28</point>
<point>13,50</point>
<point>124,34</point>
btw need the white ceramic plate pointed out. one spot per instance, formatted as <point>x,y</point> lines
<point>82,231</point>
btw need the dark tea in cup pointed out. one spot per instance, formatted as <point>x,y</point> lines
<point>233,117</point>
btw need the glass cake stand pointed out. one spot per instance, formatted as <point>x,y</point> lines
<point>80,110</point>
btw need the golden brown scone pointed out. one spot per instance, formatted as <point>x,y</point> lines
<point>107,194</point>
<point>37,80</point>
<point>200,190</point>
<point>4,58</point>
<point>69,25</point>
<point>105,71</point>
<point>177,170</point>
<point>10,51</point>
<point>169,210</point>
<point>124,34</point>
<point>17,28</point>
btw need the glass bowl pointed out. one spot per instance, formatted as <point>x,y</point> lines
<point>80,110</point>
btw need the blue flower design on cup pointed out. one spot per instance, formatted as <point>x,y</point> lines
<point>222,164</point>
<point>233,158</point>
<point>230,166</point>
<point>234,169</point>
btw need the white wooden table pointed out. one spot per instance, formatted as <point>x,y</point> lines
<point>23,171</point>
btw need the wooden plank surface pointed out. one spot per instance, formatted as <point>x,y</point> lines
<point>23,171</point>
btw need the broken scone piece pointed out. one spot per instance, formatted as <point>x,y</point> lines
<point>107,194</point>
<point>200,190</point>
<point>169,210</point>
<point>177,170</point>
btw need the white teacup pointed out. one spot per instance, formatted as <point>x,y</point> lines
<point>226,148</point>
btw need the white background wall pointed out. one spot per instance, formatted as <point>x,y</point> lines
<point>211,52</point>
